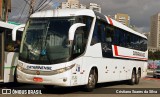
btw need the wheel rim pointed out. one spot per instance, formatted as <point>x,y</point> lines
<point>133,77</point>
<point>138,76</point>
<point>91,80</point>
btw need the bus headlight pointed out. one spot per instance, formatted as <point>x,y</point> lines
<point>20,67</point>
<point>63,69</point>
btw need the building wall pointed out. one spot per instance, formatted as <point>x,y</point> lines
<point>75,4</point>
<point>82,6</point>
<point>5,8</point>
<point>1,9</point>
<point>155,31</point>
<point>95,7</point>
<point>65,5</point>
<point>123,18</point>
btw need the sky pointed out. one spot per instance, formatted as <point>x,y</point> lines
<point>140,11</point>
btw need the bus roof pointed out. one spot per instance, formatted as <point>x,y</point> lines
<point>8,26</point>
<point>85,12</point>
<point>64,13</point>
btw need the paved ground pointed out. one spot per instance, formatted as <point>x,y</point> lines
<point>102,90</point>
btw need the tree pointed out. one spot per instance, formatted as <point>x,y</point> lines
<point>154,56</point>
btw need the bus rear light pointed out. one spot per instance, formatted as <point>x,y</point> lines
<point>37,79</point>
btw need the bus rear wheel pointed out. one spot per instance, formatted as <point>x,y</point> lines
<point>132,81</point>
<point>138,76</point>
<point>92,80</point>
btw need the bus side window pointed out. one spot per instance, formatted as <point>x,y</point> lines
<point>96,38</point>
<point>128,40</point>
<point>109,37</point>
<point>11,46</point>
<point>107,45</point>
<point>78,47</point>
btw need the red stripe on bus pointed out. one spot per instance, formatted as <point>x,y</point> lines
<point>122,56</point>
<point>110,21</point>
<point>132,57</point>
<point>116,50</point>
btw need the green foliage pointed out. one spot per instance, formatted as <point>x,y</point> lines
<point>154,56</point>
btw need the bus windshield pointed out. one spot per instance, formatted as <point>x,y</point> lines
<point>45,40</point>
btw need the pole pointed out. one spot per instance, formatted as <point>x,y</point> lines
<point>32,4</point>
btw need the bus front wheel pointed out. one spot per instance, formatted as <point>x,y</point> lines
<point>92,80</point>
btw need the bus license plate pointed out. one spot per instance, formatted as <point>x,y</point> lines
<point>37,79</point>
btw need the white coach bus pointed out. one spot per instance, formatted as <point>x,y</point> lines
<point>8,52</point>
<point>72,47</point>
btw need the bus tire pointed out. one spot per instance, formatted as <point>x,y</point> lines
<point>154,76</point>
<point>138,76</point>
<point>15,82</point>
<point>133,78</point>
<point>92,80</point>
<point>15,75</point>
<point>48,87</point>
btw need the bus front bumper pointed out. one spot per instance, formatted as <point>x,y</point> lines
<point>62,79</point>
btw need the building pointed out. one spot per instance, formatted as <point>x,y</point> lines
<point>123,18</point>
<point>95,7</point>
<point>74,4</point>
<point>147,34</point>
<point>5,8</point>
<point>65,5</point>
<point>152,49</point>
<point>111,16</point>
<point>155,32</point>
<point>82,6</point>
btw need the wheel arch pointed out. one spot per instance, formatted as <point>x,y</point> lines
<point>92,68</point>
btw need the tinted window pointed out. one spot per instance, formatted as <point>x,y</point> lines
<point>109,35</point>
<point>11,46</point>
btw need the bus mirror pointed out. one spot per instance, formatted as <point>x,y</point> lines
<point>14,31</point>
<point>73,29</point>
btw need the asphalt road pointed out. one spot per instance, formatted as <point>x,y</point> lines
<point>102,90</point>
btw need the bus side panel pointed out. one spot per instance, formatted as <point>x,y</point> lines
<point>111,69</point>
<point>107,69</point>
<point>88,63</point>
<point>77,72</point>
<point>145,67</point>
<point>138,65</point>
<point>144,70</point>
<point>11,60</point>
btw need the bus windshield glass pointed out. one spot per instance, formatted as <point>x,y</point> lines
<point>45,40</point>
